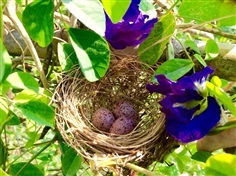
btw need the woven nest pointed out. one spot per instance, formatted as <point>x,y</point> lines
<point>77,99</point>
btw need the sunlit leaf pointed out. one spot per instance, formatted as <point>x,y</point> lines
<point>227,9</point>
<point>38,112</point>
<point>5,63</point>
<point>174,69</point>
<point>224,11</point>
<point>216,80</point>
<point>4,110</point>
<point>192,45</point>
<point>37,19</point>
<point>116,9</point>
<point>147,7</point>
<point>90,13</point>
<point>92,52</point>
<point>212,49</point>
<point>152,48</point>
<point>27,95</point>
<point>221,164</point>
<point>200,59</point>
<point>2,173</point>
<point>221,96</point>
<point>22,80</point>
<point>67,56</point>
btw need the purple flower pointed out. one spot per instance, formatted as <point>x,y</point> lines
<point>133,29</point>
<point>190,112</point>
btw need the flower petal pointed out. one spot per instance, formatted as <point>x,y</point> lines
<point>132,30</point>
<point>189,81</point>
<point>196,128</point>
<point>164,87</point>
<point>179,114</point>
<point>185,96</point>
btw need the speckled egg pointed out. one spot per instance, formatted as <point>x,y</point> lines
<point>103,119</point>
<point>124,108</point>
<point>123,125</point>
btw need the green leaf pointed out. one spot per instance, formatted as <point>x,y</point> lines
<point>4,110</point>
<point>201,156</point>
<point>201,11</point>
<point>38,112</point>
<point>179,161</point>
<point>228,8</point>
<point>37,19</point>
<point>221,96</point>
<point>212,49</point>
<point>71,162</point>
<point>5,63</point>
<point>152,48</point>
<point>216,81</point>
<point>90,13</point>
<point>13,120</point>
<point>92,52</point>
<point>22,80</point>
<point>2,173</point>
<point>33,137</point>
<point>147,7</point>
<point>221,164</point>
<point>28,171</point>
<point>200,59</point>
<point>174,69</point>
<point>67,56</point>
<point>192,45</point>
<point>116,9</point>
<point>27,95</point>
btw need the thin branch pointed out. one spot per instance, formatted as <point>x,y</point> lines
<point>37,154</point>
<point>141,170</point>
<point>202,28</point>
<point>184,30</point>
<point>11,10</point>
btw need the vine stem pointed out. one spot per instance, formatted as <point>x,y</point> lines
<point>36,155</point>
<point>172,7</point>
<point>184,30</point>
<point>202,28</point>
<point>141,170</point>
<point>11,10</point>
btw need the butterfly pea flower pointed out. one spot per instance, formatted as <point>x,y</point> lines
<point>133,29</point>
<point>190,112</point>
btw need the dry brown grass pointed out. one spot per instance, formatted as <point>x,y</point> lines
<point>77,99</point>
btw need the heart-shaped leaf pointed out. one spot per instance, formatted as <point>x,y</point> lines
<point>38,112</point>
<point>174,69</point>
<point>152,48</point>
<point>90,13</point>
<point>116,9</point>
<point>92,52</point>
<point>37,19</point>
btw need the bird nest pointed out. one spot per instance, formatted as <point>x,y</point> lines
<point>77,99</point>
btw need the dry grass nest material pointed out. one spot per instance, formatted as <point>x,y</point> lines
<point>77,99</point>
